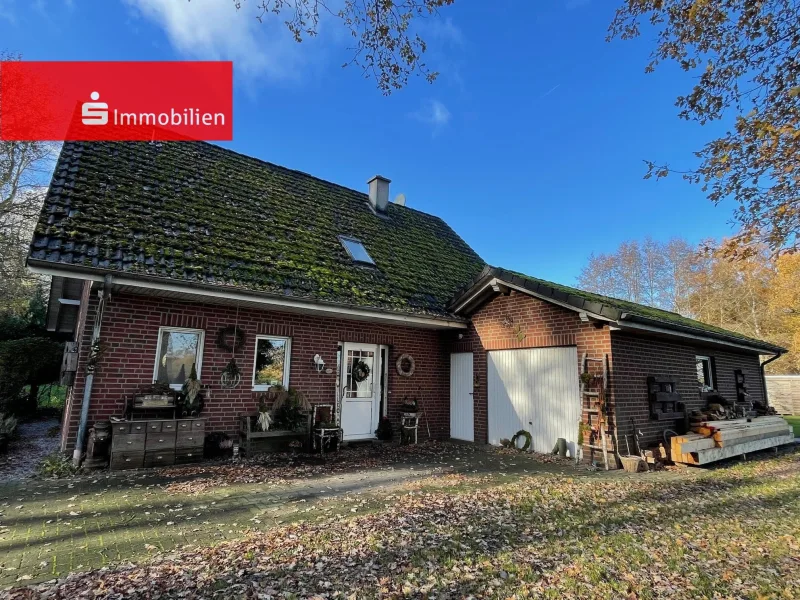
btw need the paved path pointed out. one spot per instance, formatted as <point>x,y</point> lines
<point>50,527</point>
<point>32,443</point>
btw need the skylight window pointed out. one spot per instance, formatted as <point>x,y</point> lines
<point>356,250</point>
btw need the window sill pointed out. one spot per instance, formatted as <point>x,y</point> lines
<point>175,387</point>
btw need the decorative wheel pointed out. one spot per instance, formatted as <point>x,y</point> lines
<point>229,381</point>
<point>405,365</point>
<point>231,376</point>
<point>360,371</point>
<point>521,434</point>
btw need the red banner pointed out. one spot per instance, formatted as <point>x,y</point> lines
<point>121,101</point>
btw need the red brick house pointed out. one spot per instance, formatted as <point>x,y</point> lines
<point>160,250</point>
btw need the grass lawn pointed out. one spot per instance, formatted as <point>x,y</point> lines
<point>728,532</point>
<point>794,422</point>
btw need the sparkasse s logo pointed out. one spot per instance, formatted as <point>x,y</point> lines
<point>127,101</point>
<point>94,113</point>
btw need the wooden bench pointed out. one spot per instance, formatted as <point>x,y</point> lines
<point>248,431</point>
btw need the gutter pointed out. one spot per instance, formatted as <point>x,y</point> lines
<point>91,365</point>
<point>764,375</point>
<point>631,321</point>
<point>318,307</point>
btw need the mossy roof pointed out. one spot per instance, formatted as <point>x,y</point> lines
<point>196,212</point>
<point>611,308</point>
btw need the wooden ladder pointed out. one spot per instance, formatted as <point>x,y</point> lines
<point>596,402</point>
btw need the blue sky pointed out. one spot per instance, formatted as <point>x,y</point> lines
<point>530,144</point>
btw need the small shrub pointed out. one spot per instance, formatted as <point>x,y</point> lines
<point>385,431</point>
<point>56,466</point>
<point>8,425</point>
<point>291,415</point>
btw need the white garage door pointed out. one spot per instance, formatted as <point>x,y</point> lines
<point>537,390</point>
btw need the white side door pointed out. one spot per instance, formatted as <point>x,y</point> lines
<point>536,389</point>
<point>462,408</point>
<point>360,395</point>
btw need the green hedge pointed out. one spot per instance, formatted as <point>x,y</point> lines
<point>30,361</point>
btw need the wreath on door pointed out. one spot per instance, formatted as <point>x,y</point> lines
<point>360,371</point>
<point>405,365</point>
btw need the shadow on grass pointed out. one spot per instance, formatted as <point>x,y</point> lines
<point>543,529</point>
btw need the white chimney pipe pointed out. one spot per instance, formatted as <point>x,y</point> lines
<point>379,193</point>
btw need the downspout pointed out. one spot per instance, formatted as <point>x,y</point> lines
<point>91,365</point>
<point>764,376</point>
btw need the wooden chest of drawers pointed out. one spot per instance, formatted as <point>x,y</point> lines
<point>136,444</point>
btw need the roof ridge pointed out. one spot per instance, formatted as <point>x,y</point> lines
<point>637,309</point>
<point>309,175</point>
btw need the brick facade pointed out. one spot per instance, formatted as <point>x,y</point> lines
<point>636,357</point>
<point>130,331</point>
<point>500,323</point>
<point>131,324</point>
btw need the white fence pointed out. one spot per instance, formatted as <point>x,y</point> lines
<point>783,392</point>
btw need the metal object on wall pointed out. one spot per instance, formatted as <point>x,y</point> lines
<point>97,448</point>
<point>665,401</point>
<point>91,365</point>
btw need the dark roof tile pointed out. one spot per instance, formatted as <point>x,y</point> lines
<point>197,212</point>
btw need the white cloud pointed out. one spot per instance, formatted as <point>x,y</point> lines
<point>6,13</point>
<point>216,30</point>
<point>444,30</point>
<point>433,113</point>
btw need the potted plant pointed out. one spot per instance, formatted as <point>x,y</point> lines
<point>8,425</point>
<point>292,413</point>
<point>264,417</point>
<point>192,395</point>
<point>384,432</point>
<point>409,406</point>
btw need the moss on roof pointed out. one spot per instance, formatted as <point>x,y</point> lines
<point>196,212</point>
<point>614,308</point>
<point>665,317</point>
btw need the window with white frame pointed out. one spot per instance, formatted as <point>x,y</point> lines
<point>178,351</point>
<point>705,373</point>
<point>271,366</point>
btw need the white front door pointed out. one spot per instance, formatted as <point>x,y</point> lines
<point>360,392</point>
<point>462,412</point>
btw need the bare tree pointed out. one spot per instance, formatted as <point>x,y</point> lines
<point>25,168</point>
<point>647,272</point>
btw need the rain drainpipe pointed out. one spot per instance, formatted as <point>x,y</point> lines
<point>91,365</point>
<point>764,376</point>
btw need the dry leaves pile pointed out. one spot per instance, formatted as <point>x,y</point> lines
<point>730,533</point>
<point>280,468</point>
